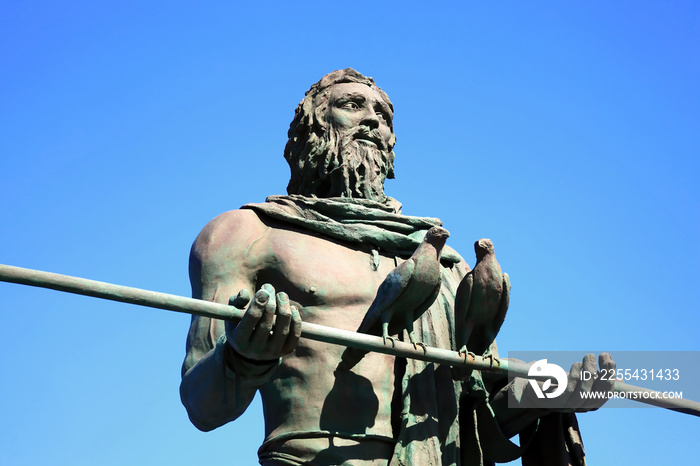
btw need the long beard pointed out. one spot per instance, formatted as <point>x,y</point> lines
<point>351,168</point>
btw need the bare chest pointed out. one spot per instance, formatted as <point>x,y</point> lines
<point>322,275</point>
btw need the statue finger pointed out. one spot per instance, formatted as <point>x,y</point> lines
<point>250,320</point>
<point>573,400</point>
<point>607,366</point>
<point>283,317</point>
<point>241,300</point>
<point>589,368</point>
<point>262,330</point>
<point>605,382</point>
<point>294,331</point>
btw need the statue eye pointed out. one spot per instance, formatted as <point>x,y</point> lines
<point>350,105</point>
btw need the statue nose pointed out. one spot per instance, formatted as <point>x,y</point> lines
<point>370,119</point>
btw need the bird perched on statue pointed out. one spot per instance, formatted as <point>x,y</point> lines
<point>404,295</point>
<point>482,302</point>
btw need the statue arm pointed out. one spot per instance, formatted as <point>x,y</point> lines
<point>218,384</point>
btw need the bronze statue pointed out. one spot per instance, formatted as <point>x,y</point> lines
<point>320,255</point>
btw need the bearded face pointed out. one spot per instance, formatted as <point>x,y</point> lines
<point>353,156</point>
<point>353,165</point>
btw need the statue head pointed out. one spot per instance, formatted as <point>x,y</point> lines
<point>341,139</point>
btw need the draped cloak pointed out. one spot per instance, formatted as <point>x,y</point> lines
<point>442,421</point>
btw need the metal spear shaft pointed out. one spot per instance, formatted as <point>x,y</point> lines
<point>170,302</point>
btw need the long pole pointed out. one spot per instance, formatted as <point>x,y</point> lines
<point>170,302</point>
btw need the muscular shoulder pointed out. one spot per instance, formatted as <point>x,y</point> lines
<point>229,231</point>
<point>224,247</point>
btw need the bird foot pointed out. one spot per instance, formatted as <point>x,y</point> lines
<point>393,341</point>
<point>492,360</point>
<point>422,345</point>
<point>463,351</point>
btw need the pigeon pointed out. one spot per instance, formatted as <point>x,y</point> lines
<point>482,302</point>
<point>404,295</point>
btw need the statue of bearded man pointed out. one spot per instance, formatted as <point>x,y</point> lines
<point>319,255</point>
<point>341,144</point>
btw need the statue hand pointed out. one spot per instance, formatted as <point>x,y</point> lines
<point>578,386</point>
<point>269,329</point>
<point>576,396</point>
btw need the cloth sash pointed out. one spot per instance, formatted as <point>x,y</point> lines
<point>358,221</point>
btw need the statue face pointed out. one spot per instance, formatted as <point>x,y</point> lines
<point>347,154</point>
<point>360,112</point>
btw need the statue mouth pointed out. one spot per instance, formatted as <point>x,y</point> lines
<point>368,142</point>
<point>370,138</point>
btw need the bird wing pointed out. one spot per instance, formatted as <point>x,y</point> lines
<point>391,288</point>
<point>495,325</point>
<point>464,293</point>
<point>462,302</point>
<point>429,300</point>
<point>505,301</point>
<point>389,291</point>
<point>397,325</point>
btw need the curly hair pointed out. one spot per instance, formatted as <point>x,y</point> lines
<point>306,150</point>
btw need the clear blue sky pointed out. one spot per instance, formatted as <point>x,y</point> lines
<point>567,132</point>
